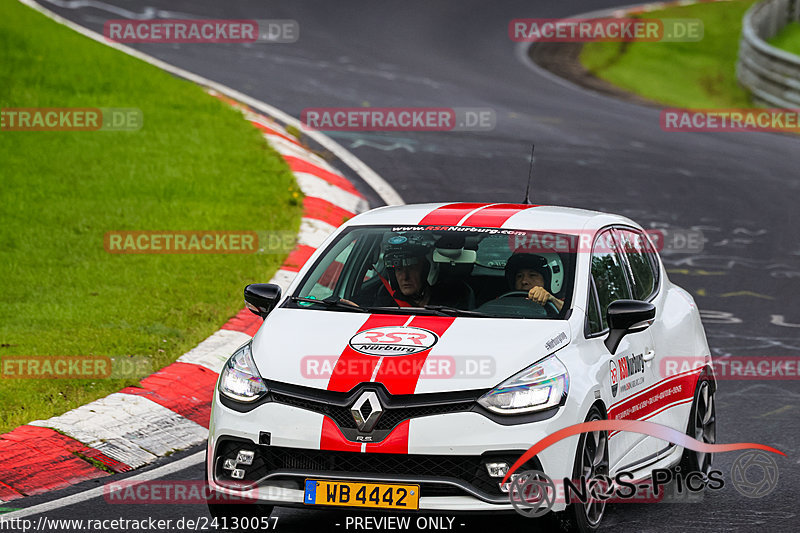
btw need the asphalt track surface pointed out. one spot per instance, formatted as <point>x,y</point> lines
<point>740,189</point>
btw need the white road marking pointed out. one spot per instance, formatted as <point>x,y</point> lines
<point>156,473</point>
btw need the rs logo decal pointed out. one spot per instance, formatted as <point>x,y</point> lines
<point>393,341</point>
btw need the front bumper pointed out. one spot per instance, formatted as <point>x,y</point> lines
<point>445,455</point>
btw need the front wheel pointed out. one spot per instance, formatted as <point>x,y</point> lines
<point>591,461</point>
<point>702,426</point>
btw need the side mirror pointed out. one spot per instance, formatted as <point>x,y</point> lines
<point>261,298</point>
<point>627,316</point>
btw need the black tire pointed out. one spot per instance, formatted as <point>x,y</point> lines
<point>592,448</point>
<point>702,426</point>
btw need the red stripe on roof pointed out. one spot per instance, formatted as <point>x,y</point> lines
<point>298,257</point>
<point>323,210</point>
<point>494,216</point>
<point>448,215</point>
<point>301,165</point>
<point>34,460</point>
<point>184,388</point>
<point>400,373</point>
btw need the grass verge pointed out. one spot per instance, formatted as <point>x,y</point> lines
<point>691,74</point>
<point>195,165</point>
<point>788,38</point>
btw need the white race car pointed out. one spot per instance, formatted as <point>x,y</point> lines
<point>423,348</point>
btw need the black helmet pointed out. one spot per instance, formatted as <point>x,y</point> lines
<point>530,261</point>
<point>404,250</point>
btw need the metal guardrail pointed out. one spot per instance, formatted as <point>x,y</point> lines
<point>771,74</point>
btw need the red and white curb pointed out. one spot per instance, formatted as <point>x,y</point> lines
<point>170,410</point>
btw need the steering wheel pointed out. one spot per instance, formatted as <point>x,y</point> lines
<point>515,294</point>
<point>550,307</point>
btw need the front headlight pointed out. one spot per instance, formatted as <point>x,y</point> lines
<point>536,388</point>
<point>239,379</point>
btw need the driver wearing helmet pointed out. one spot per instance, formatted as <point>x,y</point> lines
<point>406,261</point>
<point>411,277</point>
<point>530,273</point>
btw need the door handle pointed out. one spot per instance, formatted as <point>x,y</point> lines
<point>649,355</point>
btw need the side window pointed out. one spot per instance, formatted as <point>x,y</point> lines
<point>593,311</point>
<point>640,256</point>
<point>608,274</point>
<point>329,276</point>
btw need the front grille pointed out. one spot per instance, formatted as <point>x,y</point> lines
<point>340,415</point>
<point>468,469</point>
<point>389,419</point>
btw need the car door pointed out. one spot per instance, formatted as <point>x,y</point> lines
<point>627,374</point>
<point>644,271</point>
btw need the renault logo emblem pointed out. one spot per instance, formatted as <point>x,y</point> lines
<point>366,411</point>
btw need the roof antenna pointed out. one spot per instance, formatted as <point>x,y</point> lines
<point>530,175</point>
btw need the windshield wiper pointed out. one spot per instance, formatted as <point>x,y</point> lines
<point>406,311</point>
<point>432,310</point>
<point>454,311</point>
<point>331,301</point>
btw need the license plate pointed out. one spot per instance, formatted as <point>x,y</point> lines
<point>357,494</point>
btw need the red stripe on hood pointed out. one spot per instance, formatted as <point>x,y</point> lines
<point>400,373</point>
<point>352,367</point>
<point>448,215</point>
<point>333,439</point>
<point>395,442</point>
<point>494,216</point>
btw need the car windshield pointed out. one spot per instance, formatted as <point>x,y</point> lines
<point>455,271</point>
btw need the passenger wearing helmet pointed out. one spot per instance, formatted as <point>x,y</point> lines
<point>530,273</point>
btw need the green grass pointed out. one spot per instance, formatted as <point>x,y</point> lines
<point>195,165</point>
<point>788,38</point>
<point>691,74</point>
